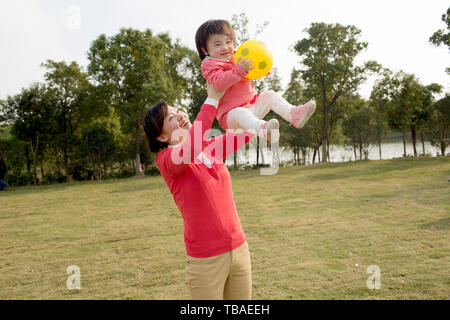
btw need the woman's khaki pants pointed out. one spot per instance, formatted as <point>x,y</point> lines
<point>226,276</point>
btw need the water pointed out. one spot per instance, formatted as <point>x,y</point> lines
<point>389,150</point>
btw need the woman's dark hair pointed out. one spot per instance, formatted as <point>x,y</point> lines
<point>153,124</point>
<point>209,28</point>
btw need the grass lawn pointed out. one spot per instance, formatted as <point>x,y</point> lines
<point>312,231</point>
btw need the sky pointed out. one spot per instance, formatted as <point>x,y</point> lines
<point>397,31</point>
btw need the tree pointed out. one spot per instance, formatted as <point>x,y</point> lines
<point>28,113</point>
<point>411,100</point>
<point>329,71</point>
<point>135,69</point>
<point>404,100</point>
<point>298,140</point>
<point>12,150</point>
<point>380,118</point>
<point>240,26</point>
<point>98,146</point>
<point>74,102</point>
<point>360,127</point>
<point>442,37</point>
<point>437,128</point>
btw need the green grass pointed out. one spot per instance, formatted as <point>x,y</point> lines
<point>312,233</point>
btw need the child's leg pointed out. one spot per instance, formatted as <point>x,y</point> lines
<point>295,115</point>
<point>243,118</point>
<point>270,100</point>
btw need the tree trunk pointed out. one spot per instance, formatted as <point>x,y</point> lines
<point>42,166</point>
<point>257,151</point>
<point>328,148</point>
<point>294,156</point>
<point>423,143</point>
<point>413,136</point>
<point>28,160</point>
<point>325,134</point>
<point>138,151</point>
<point>34,153</point>
<point>314,156</point>
<point>379,146</point>
<point>66,165</point>
<point>354,151</point>
<point>360,150</point>
<point>404,142</point>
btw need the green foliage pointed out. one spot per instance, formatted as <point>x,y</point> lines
<point>29,115</point>
<point>13,152</point>
<point>329,71</point>
<point>442,37</point>
<point>270,82</point>
<point>360,127</point>
<point>56,177</point>
<point>79,124</point>
<point>19,179</point>
<point>135,69</point>
<point>405,101</point>
<point>437,128</point>
<point>75,102</point>
<point>152,171</point>
<point>299,141</point>
<point>98,146</point>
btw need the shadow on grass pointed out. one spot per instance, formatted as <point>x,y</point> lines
<point>441,224</point>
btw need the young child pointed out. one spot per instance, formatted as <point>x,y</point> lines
<point>241,107</point>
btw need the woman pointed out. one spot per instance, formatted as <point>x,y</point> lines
<point>218,259</point>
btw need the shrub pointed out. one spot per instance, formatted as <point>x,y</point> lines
<point>152,171</point>
<point>125,173</point>
<point>21,179</point>
<point>57,177</point>
<point>49,178</point>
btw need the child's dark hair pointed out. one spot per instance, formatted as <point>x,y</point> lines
<point>153,124</point>
<point>209,28</point>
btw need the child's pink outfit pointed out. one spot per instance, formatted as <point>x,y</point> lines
<point>241,106</point>
<point>225,75</point>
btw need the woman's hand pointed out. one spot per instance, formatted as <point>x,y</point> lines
<point>213,93</point>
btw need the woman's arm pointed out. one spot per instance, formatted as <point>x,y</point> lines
<point>175,160</point>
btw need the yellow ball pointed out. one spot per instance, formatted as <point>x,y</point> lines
<point>260,55</point>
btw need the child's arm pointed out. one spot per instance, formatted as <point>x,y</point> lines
<point>221,79</point>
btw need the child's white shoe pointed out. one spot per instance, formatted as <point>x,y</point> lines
<point>301,114</point>
<point>266,130</point>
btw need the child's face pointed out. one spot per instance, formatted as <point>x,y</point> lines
<point>219,46</point>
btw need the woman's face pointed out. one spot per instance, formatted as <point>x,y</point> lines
<point>175,120</point>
